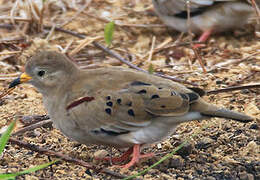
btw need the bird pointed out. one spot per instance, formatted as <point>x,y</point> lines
<point>206,16</point>
<point>115,106</point>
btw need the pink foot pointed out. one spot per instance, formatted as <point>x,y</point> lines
<point>136,157</point>
<point>204,37</point>
<point>135,150</point>
<point>122,158</point>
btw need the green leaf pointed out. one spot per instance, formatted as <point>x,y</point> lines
<point>109,31</point>
<point>151,69</point>
<point>30,170</point>
<point>5,136</point>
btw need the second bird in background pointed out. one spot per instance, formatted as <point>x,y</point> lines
<point>206,16</point>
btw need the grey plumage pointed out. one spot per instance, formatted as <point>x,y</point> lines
<point>215,15</point>
<point>115,106</point>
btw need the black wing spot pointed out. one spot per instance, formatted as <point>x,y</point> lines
<point>199,91</point>
<point>193,96</point>
<point>108,111</point>
<point>129,103</point>
<point>143,91</point>
<point>163,106</point>
<point>108,97</point>
<point>110,103</point>
<point>155,96</point>
<point>184,96</point>
<point>131,112</point>
<point>108,132</point>
<point>119,101</point>
<point>113,133</point>
<point>190,96</point>
<point>159,87</point>
<point>139,83</point>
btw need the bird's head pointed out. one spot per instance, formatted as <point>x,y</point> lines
<point>46,70</point>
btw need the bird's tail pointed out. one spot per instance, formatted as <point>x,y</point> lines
<point>214,111</point>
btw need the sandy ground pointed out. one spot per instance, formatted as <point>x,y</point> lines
<point>224,150</point>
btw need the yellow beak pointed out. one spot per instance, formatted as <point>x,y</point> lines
<point>22,79</point>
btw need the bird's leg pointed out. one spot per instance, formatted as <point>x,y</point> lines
<point>135,150</point>
<point>148,155</point>
<point>135,158</point>
<point>205,35</point>
<point>119,159</point>
<point>111,156</point>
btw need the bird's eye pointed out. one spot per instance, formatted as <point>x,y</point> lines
<point>41,73</point>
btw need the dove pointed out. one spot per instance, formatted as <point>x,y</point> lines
<point>206,16</point>
<point>115,106</point>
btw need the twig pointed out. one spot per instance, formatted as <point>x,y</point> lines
<point>257,11</point>
<point>84,43</point>
<point>12,39</point>
<point>221,65</point>
<point>33,126</point>
<point>117,56</point>
<point>159,49</point>
<point>245,78</point>
<point>195,50</point>
<point>9,53</point>
<point>50,33</point>
<point>151,50</point>
<point>234,88</point>
<point>76,14</point>
<point>82,36</point>
<point>41,150</point>
<point>40,25</point>
<point>15,18</point>
<point>6,92</point>
<point>29,120</point>
<point>189,21</point>
<point>200,59</point>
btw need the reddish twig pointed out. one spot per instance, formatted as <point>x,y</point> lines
<point>195,50</point>
<point>64,157</point>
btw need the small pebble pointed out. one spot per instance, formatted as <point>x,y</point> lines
<point>204,143</point>
<point>250,176</point>
<point>176,162</point>
<point>100,154</point>
<point>254,126</point>
<point>243,175</point>
<point>210,178</point>
<point>186,150</point>
<point>219,82</point>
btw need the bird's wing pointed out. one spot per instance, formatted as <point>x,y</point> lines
<point>131,106</point>
<point>173,7</point>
